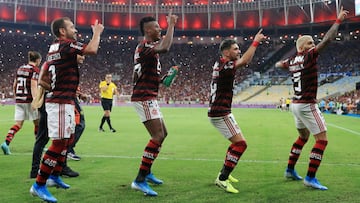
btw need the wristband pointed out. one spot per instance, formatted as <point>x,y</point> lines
<point>338,21</point>
<point>255,43</point>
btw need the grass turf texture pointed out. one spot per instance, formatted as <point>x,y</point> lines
<point>190,159</point>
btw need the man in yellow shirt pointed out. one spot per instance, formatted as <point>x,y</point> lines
<point>288,102</point>
<point>107,91</point>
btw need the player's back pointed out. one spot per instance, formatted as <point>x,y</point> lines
<point>24,75</point>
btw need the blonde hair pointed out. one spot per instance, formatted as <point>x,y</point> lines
<point>301,41</point>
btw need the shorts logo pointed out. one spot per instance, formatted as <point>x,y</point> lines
<point>237,127</point>
<point>154,112</point>
<point>151,104</point>
<point>68,130</point>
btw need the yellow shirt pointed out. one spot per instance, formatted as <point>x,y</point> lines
<point>109,92</point>
<point>287,101</point>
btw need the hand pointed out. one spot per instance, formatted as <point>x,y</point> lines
<point>171,19</point>
<point>84,97</point>
<point>80,59</point>
<point>342,14</point>
<point>259,37</point>
<point>37,102</point>
<point>97,28</point>
<point>39,98</point>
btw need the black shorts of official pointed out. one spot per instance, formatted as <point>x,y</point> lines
<point>106,104</point>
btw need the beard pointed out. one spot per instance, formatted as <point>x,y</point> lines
<point>71,36</point>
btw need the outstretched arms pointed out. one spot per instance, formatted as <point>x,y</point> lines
<point>249,54</point>
<point>93,45</point>
<point>331,33</point>
<point>165,44</point>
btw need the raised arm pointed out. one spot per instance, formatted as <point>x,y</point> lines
<point>331,33</point>
<point>93,46</point>
<point>165,43</point>
<point>249,54</point>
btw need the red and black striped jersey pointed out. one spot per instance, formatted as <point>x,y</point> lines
<point>63,70</point>
<point>147,70</point>
<point>304,70</point>
<point>24,75</point>
<point>222,85</point>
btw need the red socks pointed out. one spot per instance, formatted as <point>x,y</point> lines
<point>233,155</point>
<point>52,161</point>
<point>295,152</point>
<point>11,133</point>
<point>316,157</point>
<point>151,151</point>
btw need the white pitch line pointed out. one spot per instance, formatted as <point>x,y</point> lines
<point>200,159</point>
<point>342,128</point>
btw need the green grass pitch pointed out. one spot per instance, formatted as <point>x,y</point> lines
<point>190,159</point>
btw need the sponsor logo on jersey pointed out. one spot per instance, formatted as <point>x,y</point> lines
<point>75,46</point>
<point>23,73</point>
<point>229,64</point>
<point>297,63</point>
<point>53,57</point>
<point>54,48</point>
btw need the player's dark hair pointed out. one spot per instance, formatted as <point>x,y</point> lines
<point>57,24</point>
<point>226,44</point>
<point>33,56</point>
<point>143,21</point>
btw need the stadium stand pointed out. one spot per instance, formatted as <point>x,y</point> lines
<point>258,83</point>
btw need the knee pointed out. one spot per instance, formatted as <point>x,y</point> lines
<point>321,136</point>
<point>19,125</point>
<point>241,144</point>
<point>244,144</point>
<point>304,133</point>
<point>160,137</point>
<point>59,143</point>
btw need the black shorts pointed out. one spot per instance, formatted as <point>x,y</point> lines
<point>106,104</point>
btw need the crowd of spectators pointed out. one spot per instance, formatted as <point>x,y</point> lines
<point>340,57</point>
<point>195,62</point>
<point>116,56</point>
<point>348,103</point>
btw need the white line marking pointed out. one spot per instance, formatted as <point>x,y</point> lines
<point>199,159</point>
<point>345,129</point>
